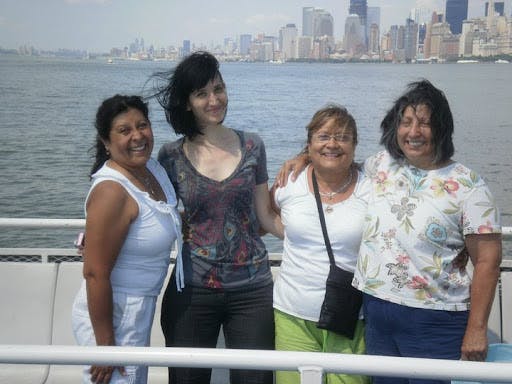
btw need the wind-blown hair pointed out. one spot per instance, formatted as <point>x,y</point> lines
<point>339,114</point>
<point>441,120</point>
<point>108,110</point>
<point>175,87</point>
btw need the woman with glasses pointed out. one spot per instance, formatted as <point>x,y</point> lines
<point>427,214</point>
<point>299,288</point>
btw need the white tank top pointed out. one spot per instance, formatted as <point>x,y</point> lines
<point>143,261</point>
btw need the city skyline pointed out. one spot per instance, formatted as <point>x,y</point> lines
<point>99,25</point>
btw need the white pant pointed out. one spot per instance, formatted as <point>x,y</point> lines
<point>133,317</point>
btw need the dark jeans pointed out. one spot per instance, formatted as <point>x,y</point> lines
<point>193,317</point>
<point>398,330</point>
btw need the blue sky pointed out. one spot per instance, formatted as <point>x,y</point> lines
<point>98,25</point>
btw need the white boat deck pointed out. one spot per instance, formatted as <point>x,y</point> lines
<point>37,287</point>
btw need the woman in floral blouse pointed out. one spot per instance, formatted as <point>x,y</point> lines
<point>424,210</point>
<point>426,213</point>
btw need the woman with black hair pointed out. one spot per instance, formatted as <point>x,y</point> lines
<point>132,222</point>
<point>426,213</point>
<point>220,175</point>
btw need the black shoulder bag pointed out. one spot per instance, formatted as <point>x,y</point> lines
<point>342,302</point>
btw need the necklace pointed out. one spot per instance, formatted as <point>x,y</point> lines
<point>146,181</point>
<point>345,185</point>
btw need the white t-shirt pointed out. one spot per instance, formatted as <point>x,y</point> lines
<point>299,288</point>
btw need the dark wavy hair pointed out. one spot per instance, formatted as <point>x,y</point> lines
<point>441,120</point>
<point>174,88</point>
<point>108,110</point>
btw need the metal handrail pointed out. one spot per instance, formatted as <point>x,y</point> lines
<point>80,223</point>
<point>311,365</point>
<point>41,223</point>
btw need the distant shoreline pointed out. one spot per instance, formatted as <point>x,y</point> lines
<point>81,55</point>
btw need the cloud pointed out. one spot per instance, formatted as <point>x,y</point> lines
<point>219,21</point>
<point>260,19</point>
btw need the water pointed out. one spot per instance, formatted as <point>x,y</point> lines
<point>47,109</point>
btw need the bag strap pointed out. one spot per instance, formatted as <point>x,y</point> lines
<point>322,218</point>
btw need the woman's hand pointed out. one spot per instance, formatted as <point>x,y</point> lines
<point>474,344</point>
<point>294,166</point>
<point>102,374</point>
<point>485,253</point>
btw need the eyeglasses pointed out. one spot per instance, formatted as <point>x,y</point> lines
<point>324,138</point>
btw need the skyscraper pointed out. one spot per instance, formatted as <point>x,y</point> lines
<point>354,39</point>
<point>499,8</point>
<point>323,24</point>
<point>288,41</point>
<point>456,13</point>
<point>186,48</point>
<point>245,44</point>
<point>316,22</point>
<point>360,8</point>
<point>308,15</point>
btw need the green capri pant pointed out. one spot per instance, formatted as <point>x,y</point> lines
<point>296,334</point>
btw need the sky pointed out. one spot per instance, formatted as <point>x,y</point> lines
<point>99,25</point>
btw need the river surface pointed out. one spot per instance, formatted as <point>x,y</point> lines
<point>47,109</point>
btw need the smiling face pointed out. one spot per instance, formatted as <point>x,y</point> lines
<point>209,104</point>
<point>130,140</point>
<point>332,147</point>
<point>414,136</point>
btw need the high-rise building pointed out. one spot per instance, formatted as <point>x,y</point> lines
<point>410,39</point>
<point>323,24</point>
<point>288,41</point>
<point>354,38</point>
<point>304,46</point>
<point>374,39</point>
<point>308,15</point>
<point>499,8</point>
<point>317,22</point>
<point>456,13</point>
<point>360,8</point>
<point>372,17</point>
<point>186,48</point>
<point>245,44</point>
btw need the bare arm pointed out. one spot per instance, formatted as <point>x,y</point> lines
<point>268,217</point>
<point>485,253</point>
<point>294,166</point>
<point>110,211</point>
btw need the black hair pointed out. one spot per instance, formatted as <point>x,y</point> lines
<point>191,74</point>
<point>441,120</point>
<point>108,110</point>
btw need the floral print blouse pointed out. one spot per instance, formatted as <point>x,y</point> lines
<point>415,228</point>
<point>223,248</point>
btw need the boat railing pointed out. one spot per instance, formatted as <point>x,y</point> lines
<point>70,254</point>
<point>311,366</point>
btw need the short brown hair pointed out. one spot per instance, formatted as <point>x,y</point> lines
<point>332,111</point>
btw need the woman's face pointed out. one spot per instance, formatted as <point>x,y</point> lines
<point>131,139</point>
<point>332,147</point>
<point>414,136</point>
<point>209,104</point>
